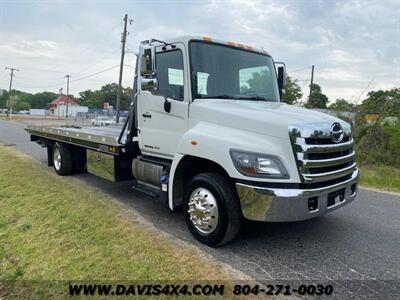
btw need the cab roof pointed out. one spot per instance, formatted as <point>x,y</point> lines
<point>187,38</point>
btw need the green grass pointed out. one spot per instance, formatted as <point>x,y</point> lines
<point>380,177</point>
<point>54,229</point>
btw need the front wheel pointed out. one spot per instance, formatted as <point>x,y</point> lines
<point>211,209</point>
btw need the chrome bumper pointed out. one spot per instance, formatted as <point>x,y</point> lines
<point>286,205</point>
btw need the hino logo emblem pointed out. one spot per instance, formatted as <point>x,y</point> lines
<point>337,132</point>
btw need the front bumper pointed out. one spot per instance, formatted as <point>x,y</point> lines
<point>286,205</point>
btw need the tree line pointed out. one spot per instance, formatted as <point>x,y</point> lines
<point>92,98</point>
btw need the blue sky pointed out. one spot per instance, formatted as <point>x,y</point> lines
<point>354,45</point>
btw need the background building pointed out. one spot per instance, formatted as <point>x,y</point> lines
<point>58,107</point>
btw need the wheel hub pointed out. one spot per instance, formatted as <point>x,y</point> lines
<point>57,158</point>
<point>203,210</point>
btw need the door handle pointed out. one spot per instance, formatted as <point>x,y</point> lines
<point>146,115</point>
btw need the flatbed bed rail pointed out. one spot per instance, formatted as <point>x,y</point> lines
<point>99,139</point>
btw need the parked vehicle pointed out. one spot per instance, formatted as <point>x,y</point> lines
<point>102,121</point>
<point>202,136</point>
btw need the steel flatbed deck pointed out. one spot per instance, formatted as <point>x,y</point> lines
<point>103,139</point>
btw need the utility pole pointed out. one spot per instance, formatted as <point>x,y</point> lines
<point>121,67</point>
<point>67,76</point>
<point>312,80</point>
<point>9,89</point>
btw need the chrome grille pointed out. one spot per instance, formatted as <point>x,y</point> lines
<point>318,157</point>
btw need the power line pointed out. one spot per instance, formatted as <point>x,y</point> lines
<point>75,80</point>
<point>43,70</point>
<point>363,91</point>
<point>40,78</point>
<point>47,86</point>
<point>298,70</point>
<point>302,87</point>
<point>305,82</point>
<point>94,74</point>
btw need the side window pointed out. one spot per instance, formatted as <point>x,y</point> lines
<point>170,74</point>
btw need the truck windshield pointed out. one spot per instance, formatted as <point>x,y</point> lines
<point>219,71</point>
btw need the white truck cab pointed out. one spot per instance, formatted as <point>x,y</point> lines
<point>211,135</point>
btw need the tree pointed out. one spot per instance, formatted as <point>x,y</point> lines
<point>317,99</point>
<point>41,100</point>
<point>3,98</point>
<point>383,103</point>
<point>292,91</point>
<point>107,93</point>
<point>21,105</point>
<point>342,105</point>
<point>19,100</point>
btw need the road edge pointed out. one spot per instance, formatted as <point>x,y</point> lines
<point>376,190</point>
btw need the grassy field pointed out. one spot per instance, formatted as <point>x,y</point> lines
<point>380,177</point>
<point>54,229</point>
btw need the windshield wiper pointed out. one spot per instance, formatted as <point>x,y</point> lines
<point>256,97</point>
<point>238,97</point>
<point>221,97</point>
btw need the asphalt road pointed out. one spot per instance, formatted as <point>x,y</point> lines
<point>356,248</point>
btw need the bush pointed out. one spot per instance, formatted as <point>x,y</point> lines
<point>379,144</point>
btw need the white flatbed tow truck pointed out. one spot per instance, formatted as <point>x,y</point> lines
<point>207,131</point>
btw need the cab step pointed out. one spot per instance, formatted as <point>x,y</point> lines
<point>146,189</point>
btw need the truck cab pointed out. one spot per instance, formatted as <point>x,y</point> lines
<point>207,131</point>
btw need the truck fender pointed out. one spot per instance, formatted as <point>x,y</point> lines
<point>211,143</point>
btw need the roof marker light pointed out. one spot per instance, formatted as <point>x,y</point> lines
<point>207,39</point>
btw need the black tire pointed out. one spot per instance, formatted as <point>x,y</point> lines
<point>229,212</point>
<point>65,164</point>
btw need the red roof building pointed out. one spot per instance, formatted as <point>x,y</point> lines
<point>62,100</point>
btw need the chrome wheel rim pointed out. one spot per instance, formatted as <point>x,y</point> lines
<point>57,159</point>
<point>203,210</point>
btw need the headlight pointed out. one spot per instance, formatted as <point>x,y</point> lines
<point>259,165</point>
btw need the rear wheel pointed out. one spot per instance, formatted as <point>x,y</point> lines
<point>211,209</point>
<point>62,159</point>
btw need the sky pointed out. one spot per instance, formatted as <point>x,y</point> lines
<point>354,45</point>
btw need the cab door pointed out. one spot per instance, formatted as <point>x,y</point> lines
<point>159,129</point>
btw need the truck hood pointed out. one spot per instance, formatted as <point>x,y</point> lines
<point>267,118</point>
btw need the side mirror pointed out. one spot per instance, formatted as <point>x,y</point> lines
<point>147,61</point>
<point>281,80</point>
<point>147,65</point>
<point>148,84</point>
